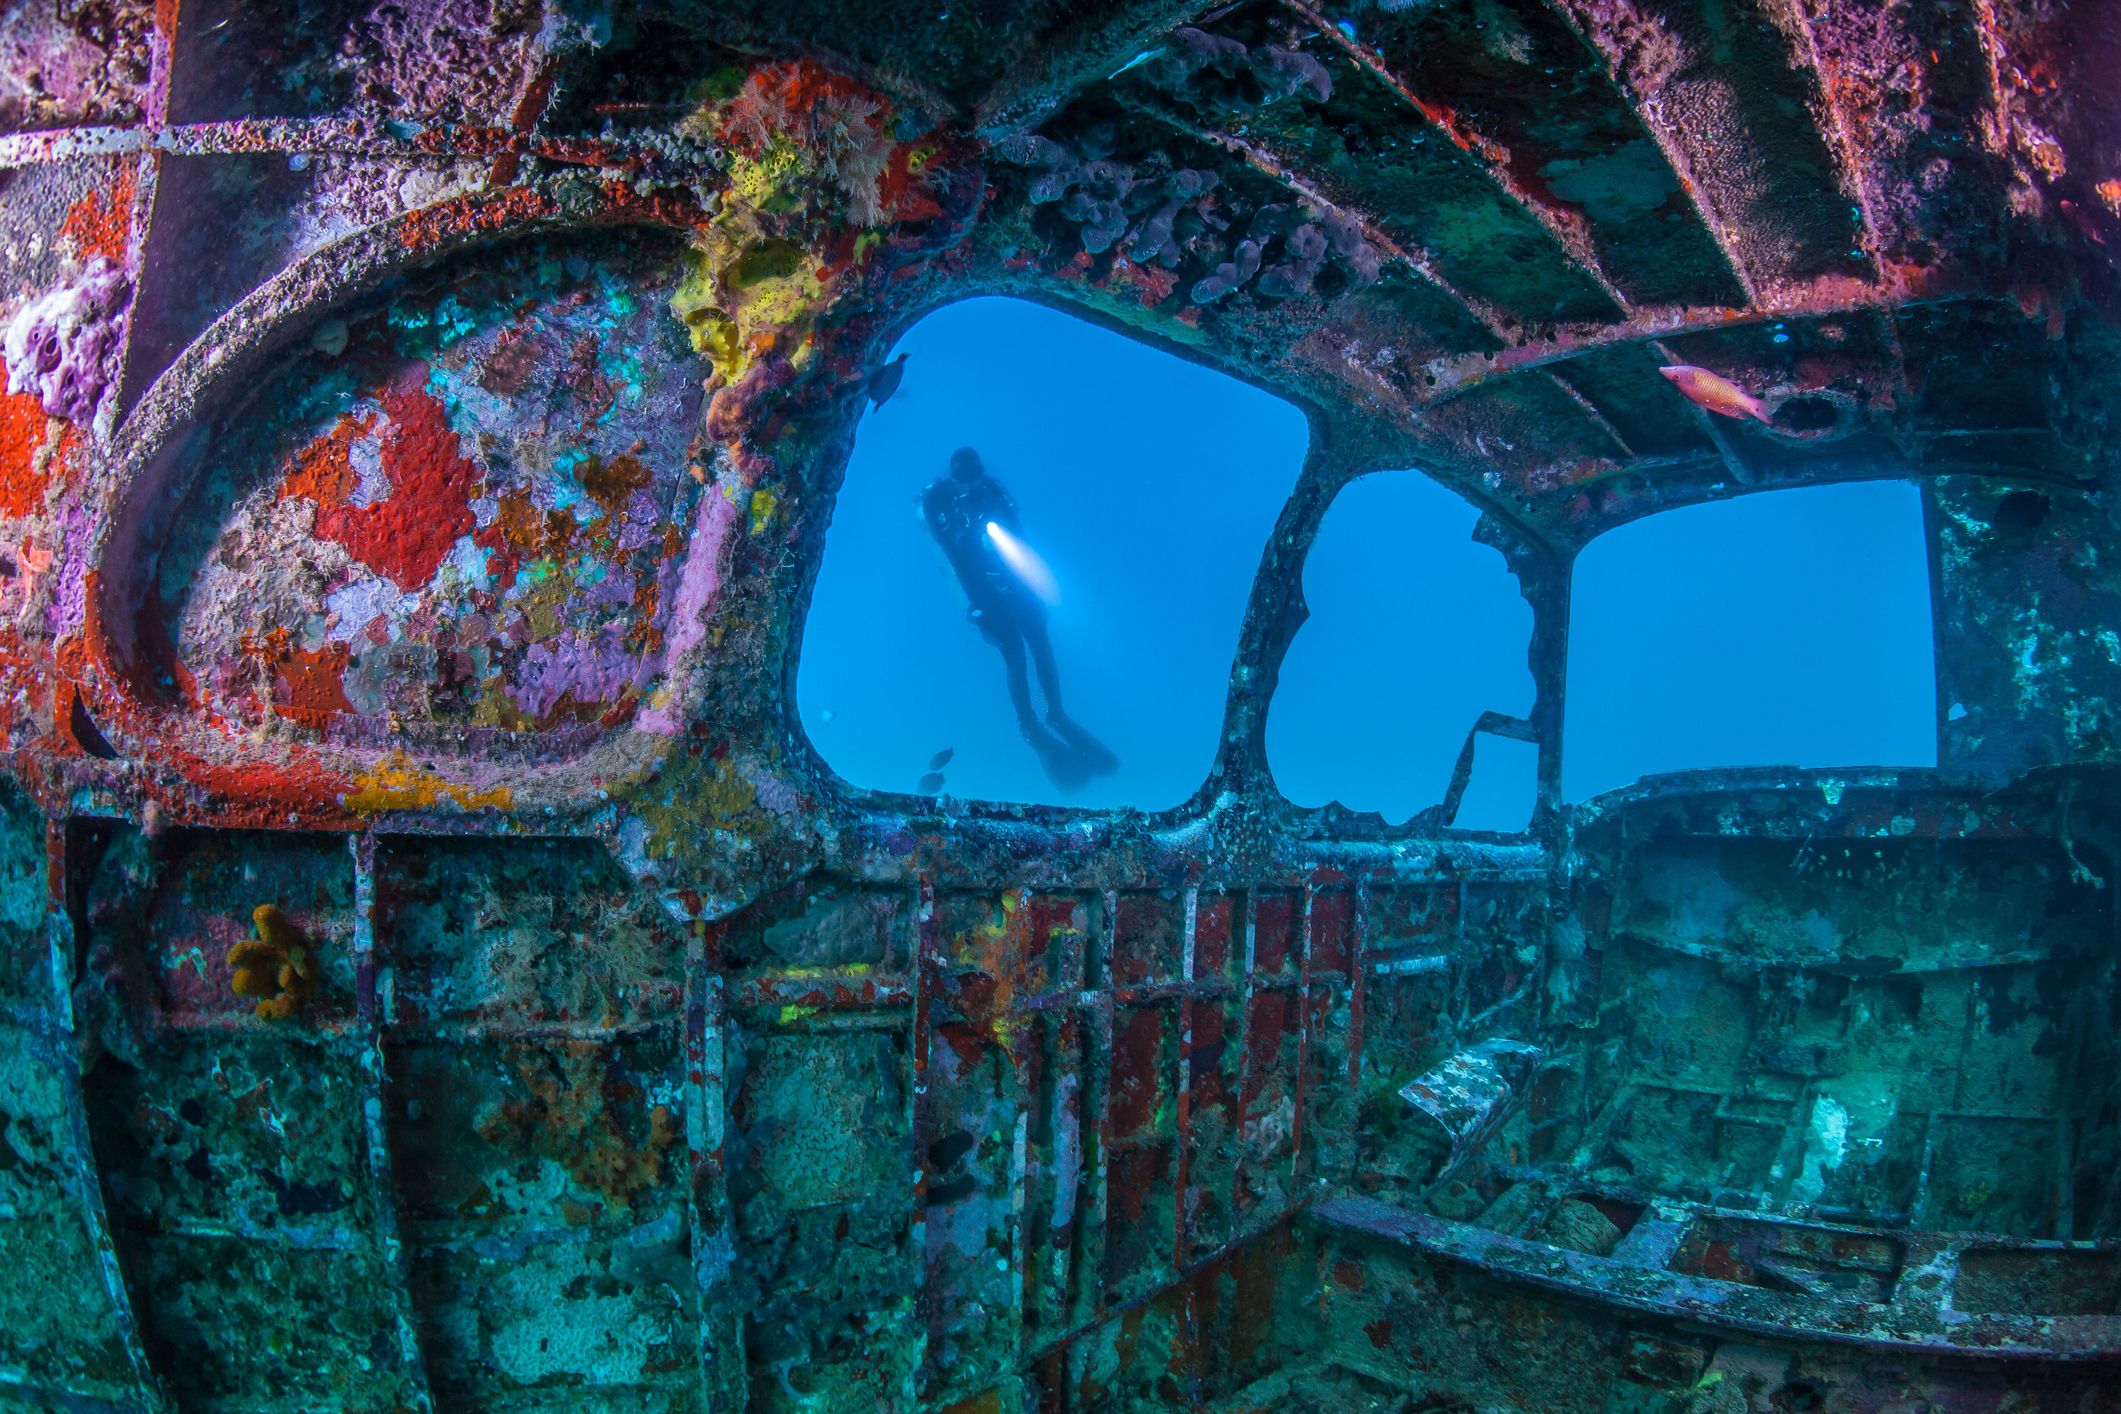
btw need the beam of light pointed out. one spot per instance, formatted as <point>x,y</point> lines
<point>1024,560</point>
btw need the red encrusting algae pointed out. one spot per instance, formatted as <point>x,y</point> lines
<point>101,223</point>
<point>408,533</point>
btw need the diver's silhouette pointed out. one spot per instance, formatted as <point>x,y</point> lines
<point>958,508</point>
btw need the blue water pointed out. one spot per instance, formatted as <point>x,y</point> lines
<point>1779,628</point>
<point>1788,627</point>
<point>1415,630</point>
<point>1148,483</point>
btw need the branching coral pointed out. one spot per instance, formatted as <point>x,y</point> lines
<point>278,966</point>
<point>62,345</point>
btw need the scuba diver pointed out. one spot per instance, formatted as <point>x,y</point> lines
<point>975,521</point>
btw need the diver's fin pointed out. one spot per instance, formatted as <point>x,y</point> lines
<point>1064,764</point>
<point>1095,756</point>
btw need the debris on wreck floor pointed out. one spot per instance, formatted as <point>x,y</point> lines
<point>439,970</point>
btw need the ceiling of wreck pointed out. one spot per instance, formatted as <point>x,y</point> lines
<point>1895,227</point>
<point>436,970</point>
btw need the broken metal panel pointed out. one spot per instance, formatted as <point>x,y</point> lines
<point>1804,1288</point>
<point>1473,1091</point>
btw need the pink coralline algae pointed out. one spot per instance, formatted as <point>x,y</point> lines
<point>62,345</point>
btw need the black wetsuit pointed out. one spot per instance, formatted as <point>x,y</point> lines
<point>1008,614</point>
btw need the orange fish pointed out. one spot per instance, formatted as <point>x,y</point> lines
<point>1714,392</point>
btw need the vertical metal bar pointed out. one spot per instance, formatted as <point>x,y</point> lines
<point>1182,1167</point>
<point>1020,1029</point>
<point>1457,977</point>
<point>1241,1047</point>
<point>1303,1039</point>
<point>1358,980</point>
<point>1182,1163</point>
<point>1068,1085</point>
<point>723,1377</point>
<point>1099,1102</point>
<point>61,945</point>
<point>927,974</point>
<point>373,1009</point>
<point>147,175</point>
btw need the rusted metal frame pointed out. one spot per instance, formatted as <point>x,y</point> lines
<point>2065,1205</point>
<point>1590,410</point>
<point>147,176</point>
<point>1573,236</point>
<point>1635,1286</point>
<point>1065,1067</point>
<point>719,1338</point>
<point>1141,994</point>
<point>771,993</point>
<point>58,1034</point>
<point>2109,1200</point>
<point>927,976</point>
<point>374,1009</point>
<point>1043,79</point>
<point>281,1236</point>
<point>1236,1033</point>
<point>838,991</point>
<point>1991,42</point>
<point>1019,1033</point>
<point>242,137</point>
<point>1092,1242</point>
<point>1706,420</point>
<point>1645,108</point>
<point>1182,1163</point>
<point>342,1036</point>
<point>1796,24</point>
<point>1458,373</point>
<point>1303,1040</point>
<point>455,1034</point>
<point>1358,983</point>
<point>1500,724</point>
<point>1019,1181</point>
<point>162,61</point>
<point>1492,318</point>
<point>1192,1270</point>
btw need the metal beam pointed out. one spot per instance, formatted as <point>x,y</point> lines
<point>1569,231</point>
<point>1714,221</point>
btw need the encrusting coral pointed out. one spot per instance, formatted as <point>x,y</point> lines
<point>61,346</point>
<point>278,966</point>
<point>830,193</point>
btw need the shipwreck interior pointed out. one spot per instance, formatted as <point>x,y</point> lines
<point>439,968</point>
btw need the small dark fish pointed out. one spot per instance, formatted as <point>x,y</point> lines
<point>931,783</point>
<point>941,758</point>
<point>884,382</point>
<point>88,734</point>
